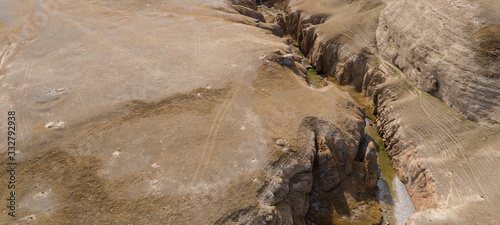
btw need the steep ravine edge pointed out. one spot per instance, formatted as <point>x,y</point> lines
<point>375,80</point>
<point>322,157</point>
<point>369,61</point>
<point>359,70</point>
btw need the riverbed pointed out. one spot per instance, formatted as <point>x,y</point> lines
<point>394,200</point>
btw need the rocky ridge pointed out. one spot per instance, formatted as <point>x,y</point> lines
<point>319,164</point>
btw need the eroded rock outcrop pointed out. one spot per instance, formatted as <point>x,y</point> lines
<point>371,167</point>
<point>247,8</point>
<point>404,154</point>
<point>348,63</point>
<point>323,158</point>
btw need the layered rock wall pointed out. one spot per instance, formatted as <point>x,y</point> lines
<point>403,152</point>
<point>331,58</point>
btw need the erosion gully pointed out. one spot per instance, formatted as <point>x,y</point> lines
<point>392,196</point>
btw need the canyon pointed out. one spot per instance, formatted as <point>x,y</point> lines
<point>251,112</point>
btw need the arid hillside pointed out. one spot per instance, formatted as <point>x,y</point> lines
<point>249,112</point>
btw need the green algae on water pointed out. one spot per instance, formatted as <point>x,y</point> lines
<point>314,79</point>
<point>388,172</point>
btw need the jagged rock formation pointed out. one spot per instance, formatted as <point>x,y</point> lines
<point>247,8</point>
<point>347,60</point>
<point>322,158</point>
<point>402,150</point>
<point>371,167</point>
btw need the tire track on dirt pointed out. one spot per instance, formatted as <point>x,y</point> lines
<point>440,116</point>
<point>215,135</point>
<point>213,132</point>
<point>28,70</point>
<point>456,143</point>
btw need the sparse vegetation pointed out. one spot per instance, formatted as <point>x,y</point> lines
<point>489,41</point>
<point>315,80</point>
<point>375,61</point>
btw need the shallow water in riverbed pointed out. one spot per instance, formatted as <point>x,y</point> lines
<point>270,13</point>
<point>313,78</point>
<point>394,200</point>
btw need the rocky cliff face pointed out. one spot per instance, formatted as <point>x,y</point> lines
<point>402,149</point>
<point>337,47</point>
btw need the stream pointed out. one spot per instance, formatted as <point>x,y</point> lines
<point>394,200</point>
<point>270,13</point>
<point>392,196</point>
<point>314,79</point>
